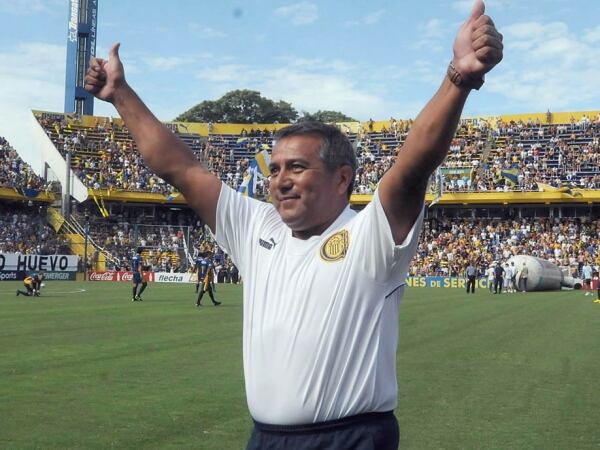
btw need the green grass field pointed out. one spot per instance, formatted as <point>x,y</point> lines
<point>83,367</point>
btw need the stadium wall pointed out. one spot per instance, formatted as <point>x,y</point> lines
<point>563,117</point>
<point>7,193</point>
<point>574,196</point>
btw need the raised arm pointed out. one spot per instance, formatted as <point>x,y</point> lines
<point>477,49</point>
<point>164,153</point>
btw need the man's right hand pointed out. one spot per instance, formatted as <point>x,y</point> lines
<point>105,77</point>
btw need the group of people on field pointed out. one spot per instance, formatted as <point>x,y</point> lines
<point>507,278</point>
<point>501,277</point>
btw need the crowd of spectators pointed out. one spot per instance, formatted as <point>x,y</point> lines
<point>170,238</point>
<point>16,173</point>
<point>510,156</point>
<point>447,246</point>
<point>484,156</point>
<point>23,229</point>
<point>502,156</point>
<point>102,156</point>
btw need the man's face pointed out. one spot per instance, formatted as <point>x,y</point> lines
<point>304,192</point>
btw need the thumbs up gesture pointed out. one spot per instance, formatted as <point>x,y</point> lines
<point>478,45</point>
<point>105,76</point>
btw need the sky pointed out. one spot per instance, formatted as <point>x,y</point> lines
<point>373,59</point>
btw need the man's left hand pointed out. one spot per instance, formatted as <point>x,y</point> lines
<point>478,45</point>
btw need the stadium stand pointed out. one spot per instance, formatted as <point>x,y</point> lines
<point>23,229</point>
<point>485,155</point>
<point>498,157</point>
<point>23,208</point>
<point>14,172</point>
<point>447,245</point>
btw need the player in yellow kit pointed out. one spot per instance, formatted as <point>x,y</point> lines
<point>33,284</point>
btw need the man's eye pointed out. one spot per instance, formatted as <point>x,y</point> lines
<point>297,168</point>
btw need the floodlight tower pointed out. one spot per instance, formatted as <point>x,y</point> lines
<point>81,47</point>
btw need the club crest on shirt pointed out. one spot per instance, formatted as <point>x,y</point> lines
<point>336,247</point>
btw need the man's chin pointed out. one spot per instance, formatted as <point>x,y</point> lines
<point>293,221</point>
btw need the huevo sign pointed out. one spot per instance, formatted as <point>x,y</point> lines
<point>35,263</point>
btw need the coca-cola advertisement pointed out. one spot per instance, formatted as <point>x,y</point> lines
<point>117,276</point>
<point>124,276</point>
<point>102,276</point>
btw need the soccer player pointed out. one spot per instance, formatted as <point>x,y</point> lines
<point>206,272</point>
<point>198,262</point>
<point>321,301</point>
<point>596,277</point>
<point>33,284</point>
<point>139,279</point>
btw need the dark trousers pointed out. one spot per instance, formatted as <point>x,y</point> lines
<point>498,285</point>
<point>471,284</point>
<point>371,431</point>
<point>209,289</point>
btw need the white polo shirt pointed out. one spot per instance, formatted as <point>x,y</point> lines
<point>320,315</point>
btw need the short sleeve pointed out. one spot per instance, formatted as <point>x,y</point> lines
<point>237,217</point>
<point>372,237</point>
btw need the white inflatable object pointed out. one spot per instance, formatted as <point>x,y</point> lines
<point>543,275</point>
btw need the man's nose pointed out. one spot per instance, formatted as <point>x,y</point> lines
<point>284,180</point>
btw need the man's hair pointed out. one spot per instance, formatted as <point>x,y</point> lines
<point>336,150</point>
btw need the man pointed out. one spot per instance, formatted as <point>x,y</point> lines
<point>498,278</point>
<point>596,278</point>
<point>507,278</point>
<point>523,275</point>
<point>223,275</point>
<point>33,285</point>
<point>234,274</point>
<point>197,268</point>
<point>490,277</point>
<point>206,270</point>
<point>586,272</point>
<point>321,298</point>
<point>471,275</point>
<point>139,280</point>
<point>513,277</point>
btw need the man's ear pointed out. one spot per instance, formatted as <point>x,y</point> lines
<point>345,179</point>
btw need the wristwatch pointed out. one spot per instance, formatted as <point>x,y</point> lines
<point>461,81</point>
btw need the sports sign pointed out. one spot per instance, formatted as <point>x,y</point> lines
<point>37,263</point>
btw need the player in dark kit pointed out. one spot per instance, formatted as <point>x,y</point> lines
<point>33,284</point>
<point>206,271</point>
<point>198,262</point>
<point>138,276</point>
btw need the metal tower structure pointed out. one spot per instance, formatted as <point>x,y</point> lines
<point>81,47</point>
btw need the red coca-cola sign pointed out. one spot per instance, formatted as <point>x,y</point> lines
<point>102,276</point>
<point>117,276</point>
<point>125,276</point>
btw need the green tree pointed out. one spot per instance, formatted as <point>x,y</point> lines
<point>241,106</point>
<point>326,117</point>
